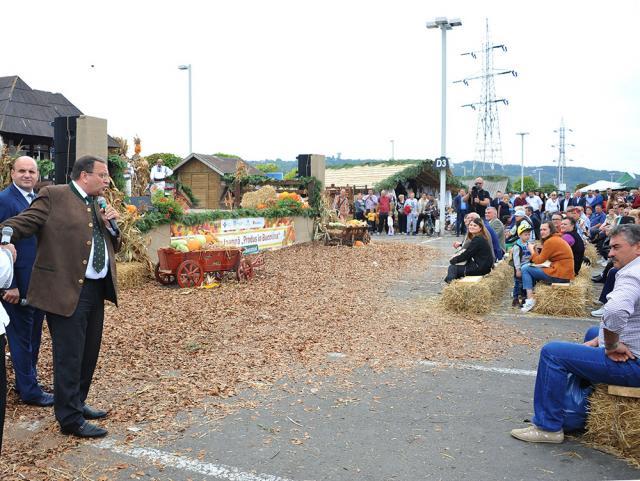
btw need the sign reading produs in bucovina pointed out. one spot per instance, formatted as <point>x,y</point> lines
<point>255,233</point>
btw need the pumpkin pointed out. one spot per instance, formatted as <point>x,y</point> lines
<point>261,206</point>
<point>305,205</point>
<point>194,244</point>
<point>132,209</point>
<point>358,244</point>
<point>210,239</point>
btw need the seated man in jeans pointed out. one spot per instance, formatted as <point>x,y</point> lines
<point>610,357</point>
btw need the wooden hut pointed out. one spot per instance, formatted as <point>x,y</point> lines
<point>203,174</point>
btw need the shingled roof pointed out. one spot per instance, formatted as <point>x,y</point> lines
<point>26,111</point>
<point>221,165</point>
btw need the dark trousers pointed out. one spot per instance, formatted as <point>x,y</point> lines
<point>609,284</point>
<point>402,223</point>
<point>359,215</point>
<point>382,222</point>
<point>454,272</point>
<point>23,334</point>
<point>460,227</point>
<point>3,387</point>
<point>76,342</point>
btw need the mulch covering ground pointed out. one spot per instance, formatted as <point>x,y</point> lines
<point>168,350</point>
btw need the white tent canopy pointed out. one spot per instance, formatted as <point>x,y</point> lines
<point>601,185</point>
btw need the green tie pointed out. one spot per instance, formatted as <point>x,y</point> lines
<point>98,239</point>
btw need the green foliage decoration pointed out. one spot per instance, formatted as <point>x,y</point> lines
<point>291,175</point>
<point>170,160</point>
<point>117,166</point>
<point>45,167</point>
<point>411,172</point>
<point>268,167</point>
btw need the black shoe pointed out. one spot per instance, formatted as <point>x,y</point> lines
<point>45,400</point>
<point>90,413</point>
<point>85,430</point>
<point>598,278</point>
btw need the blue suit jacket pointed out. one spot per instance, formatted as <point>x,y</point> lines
<point>12,202</point>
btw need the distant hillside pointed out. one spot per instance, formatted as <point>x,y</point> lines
<point>573,175</point>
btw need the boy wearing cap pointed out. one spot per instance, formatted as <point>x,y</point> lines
<point>520,255</point>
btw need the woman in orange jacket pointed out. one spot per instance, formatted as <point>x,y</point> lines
<point>554,250</point>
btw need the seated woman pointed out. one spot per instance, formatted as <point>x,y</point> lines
<point>557,252</point>
<point>571,236</point>
<point>477,257</point>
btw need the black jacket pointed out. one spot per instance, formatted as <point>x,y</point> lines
<point>578,251</point>
<point>479,257</point>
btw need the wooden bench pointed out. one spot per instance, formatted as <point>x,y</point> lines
<point>624,391</point>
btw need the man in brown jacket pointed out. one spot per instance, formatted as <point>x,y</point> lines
<point>74,272</point>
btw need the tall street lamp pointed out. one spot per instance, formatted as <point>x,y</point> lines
<point>188,67</point>
<point>393,149</point>
<point>539,170</point>
<point>522,134</point>
<point>443,24</point>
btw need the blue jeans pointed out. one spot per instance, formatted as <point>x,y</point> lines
<point>532,274</point>
<point>558,359</point>
<point>412,223</point>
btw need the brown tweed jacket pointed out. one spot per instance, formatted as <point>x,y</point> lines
<point>62,223</point>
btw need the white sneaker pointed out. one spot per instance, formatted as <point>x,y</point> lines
<point>528,305</point>
<point>598,312</point>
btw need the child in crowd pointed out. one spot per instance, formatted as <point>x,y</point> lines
<point>520,255</point>
<point>372,219</point>
<point>390,223</point>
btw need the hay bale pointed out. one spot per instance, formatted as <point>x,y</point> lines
<point>613,424</point>
<point>132,274</point>
<point>265,195</point>
<point>591,253</point>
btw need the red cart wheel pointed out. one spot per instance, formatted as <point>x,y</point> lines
<point>189,274</point>
<point>245,270</point>
<point>162,278</point>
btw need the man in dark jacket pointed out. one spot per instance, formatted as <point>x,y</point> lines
<point>462,208</point>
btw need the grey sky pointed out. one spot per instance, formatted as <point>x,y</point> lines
<point>277,78</point>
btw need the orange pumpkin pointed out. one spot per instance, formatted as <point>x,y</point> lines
<point>132,209</point>
<point>210,239</point>
<point>261,206</point>
<point>193,244</point>
<point>358,244</point>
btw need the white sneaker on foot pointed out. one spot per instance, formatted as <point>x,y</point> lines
<point>598,312</point>
<point>528,305</point>
<point>534,434</point>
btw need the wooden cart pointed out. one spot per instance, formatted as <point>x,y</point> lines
<point>189,268</point>
<point>347,235</point>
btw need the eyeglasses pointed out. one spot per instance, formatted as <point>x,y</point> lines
<point>102,176</point>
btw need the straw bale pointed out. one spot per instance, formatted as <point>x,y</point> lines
<point>613,424</point>
<point>591,253</point>
<point>265,195</point>
<point>132,274</point>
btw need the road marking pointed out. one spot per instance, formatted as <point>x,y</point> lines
<point>219,471</point>
<point>478,367</point>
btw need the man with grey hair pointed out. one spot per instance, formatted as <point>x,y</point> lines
<point>492,216</point>
<point>609,353</point>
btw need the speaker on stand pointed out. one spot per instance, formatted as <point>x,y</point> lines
<point>64,141</point>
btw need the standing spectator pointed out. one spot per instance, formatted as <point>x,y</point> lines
<point>565,202</point>
<point>25,330</point>
<point>495,201</point>
<point>636,199</point>
<point>496,225</point>
<point>577,200</point>
<point>590,199</point>
<point>384,207</point>
<point>571,237</point>
<point>521,200</point>
<point>423,209</point>
<point>159,173</point>
<point>609,354</point>
<point>359,207</point>
<point>504,209</point>
<point>552,205</point>
<point>557,252</point>
<point>478,199</point>
<point>370,201</point>
<point>462,209</point>
<point>7,258</point>
<point>411,209</point>
<point>477,258</point>
<point>341,204</point>
<point>599,199</point>
<point>520,256</point>
<point>535,220</point>
<point>402,217</point>
<point>534,201</point>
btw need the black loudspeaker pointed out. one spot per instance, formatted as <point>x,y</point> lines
<point>304,165</point>
<point>64,144</point>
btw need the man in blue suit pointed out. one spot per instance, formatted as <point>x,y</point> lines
<point>25,329</point>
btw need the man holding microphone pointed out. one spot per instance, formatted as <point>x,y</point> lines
<point>73,273</point>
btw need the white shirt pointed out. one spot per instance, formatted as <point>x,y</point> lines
<point>26,194</point>
<point>159,173</point>
<point>552,206</point>
<point>6,275</point>
<point>535,202</point>
<point>91,273</point>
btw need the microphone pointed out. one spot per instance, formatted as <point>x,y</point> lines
<point>7,232</point>
<point>112,222</point>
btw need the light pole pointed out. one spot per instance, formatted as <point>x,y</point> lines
<point>522,134</point>
<point>188,67</point>
<point>539,170</point>
<point>443,24</point>
<point>393,149</point>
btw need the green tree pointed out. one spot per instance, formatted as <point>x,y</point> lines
<point>581,185</point>
<point>548,188</point>
<point>267,167</point>
<point>529,183</point>
<point>170,160</point>
<point>292,174</point>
